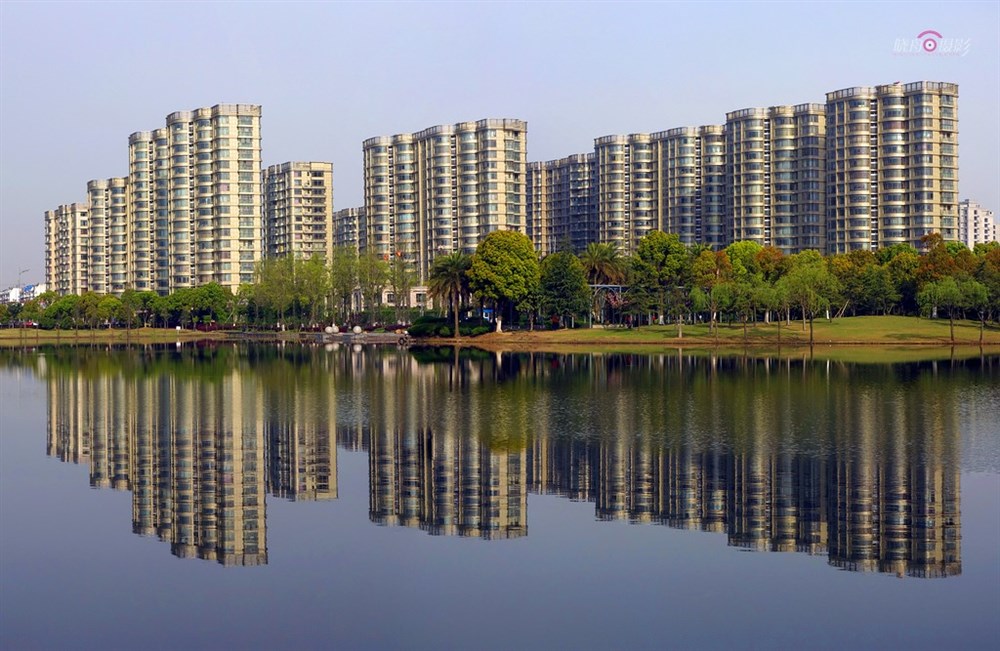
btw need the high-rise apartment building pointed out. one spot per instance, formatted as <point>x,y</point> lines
<point>976,224</point>
<point>892,165</point>
<point>775,162</point>
<point>107,247</point>
<point>444,189</point>
<point>67,247</point>
<point>195,187</point>
<point>626,196</point>
<point>562,204</point>
<point>870,168</point>
<point>298,209</point>
<point>691,177</point>
<point>349,229</point>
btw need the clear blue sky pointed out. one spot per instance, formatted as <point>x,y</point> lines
<point>77,78</point>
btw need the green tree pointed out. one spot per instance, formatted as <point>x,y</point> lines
<point>373,274</point>
<point>976,297</point>
<point>276,284</point>
<point>944,294</point>
<point>401,281</point>
<point>712,269</point>
<point>603,264</point>
<point>312,285</point>
<point>810,285</point>
<point>343,279</point>
<point>504,271</point>
<point>110,309</point>
<point>564,291</point>
<point>87,310</point>
<point>30,311</point>
<point>660,261</point>
<point>449,282</point>
<point>744,257</point>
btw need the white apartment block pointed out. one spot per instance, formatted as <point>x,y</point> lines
<point>976,225</point>
<point>298,210</point>
<point>444,189</point>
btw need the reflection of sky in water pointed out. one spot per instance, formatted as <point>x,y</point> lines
<point>858,465</point>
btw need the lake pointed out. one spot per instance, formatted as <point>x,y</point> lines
<point>285,496</point>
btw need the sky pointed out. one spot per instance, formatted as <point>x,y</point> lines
<point>76,78</point>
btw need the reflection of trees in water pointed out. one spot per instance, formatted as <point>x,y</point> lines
<point>860,462</point>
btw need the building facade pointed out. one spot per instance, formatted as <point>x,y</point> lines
<point>195,200</point>
<point>870,168</point>
<point>349,229</point>
<point>976,225</point>
<point>67,247</point>
<point>107,246</point>
<point>892,165</point>
<point>691,177</point>
<point>562,204</point>
<point>298,210</point>
<point>444,189</point>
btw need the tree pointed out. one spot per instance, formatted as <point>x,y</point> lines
<point>603,264</point>
<point>902,269</point>
<point>810,285</point>
<point>373,274</point>
<point>976,297</point>
<point>937,263</point>
<point>660,261</point>
<point>943,294</point>
<point>276,284</point>
<point>343,278</point>
<point>401,281</point>
<point>87,309</point>
<point>449,282</point>
<point>110,309</point>
<point>744,258</point>
<point>564,290</point>
<point>711,270</point>
<point>504,270</point>
<point>312,285</point>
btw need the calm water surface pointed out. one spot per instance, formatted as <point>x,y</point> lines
<point>288,497</point>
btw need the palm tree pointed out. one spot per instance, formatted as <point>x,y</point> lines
<point>448,280</point>
<point>603,263</point>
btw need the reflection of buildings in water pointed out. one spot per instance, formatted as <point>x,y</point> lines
<point>447,484</point>
<point>900,518</point>
<point>191,452</point>
<point>302,445</point>
<point>424,472</point>
<point>195,454</point>
<point>874,484</point>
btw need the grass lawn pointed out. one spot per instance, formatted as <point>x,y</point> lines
<point>14,337</point>
<point>883,333</point>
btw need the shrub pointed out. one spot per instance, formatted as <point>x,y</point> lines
<point>444,331</point>
<point>423,329</point>
<point>479,330</point>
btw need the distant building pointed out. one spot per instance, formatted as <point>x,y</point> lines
<point>976,224</point>
<point>67,247</point>
<point>444,189</point>
<point>561,204</point>
<point>349,229</point>
<point>298,209</point>
<point>892,165</point>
